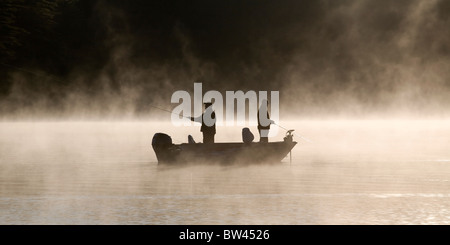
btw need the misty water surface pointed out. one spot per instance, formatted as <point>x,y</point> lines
<point>353,172</point>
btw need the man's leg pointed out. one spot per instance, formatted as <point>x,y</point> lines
<point>263,133</point>
<point>208,138</point>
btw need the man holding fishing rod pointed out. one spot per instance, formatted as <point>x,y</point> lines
<point>208,121</point>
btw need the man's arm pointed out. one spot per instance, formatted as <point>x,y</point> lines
<point>197,119</point>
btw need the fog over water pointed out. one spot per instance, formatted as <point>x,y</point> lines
<point>112,59</point>
<point>354,172</point>
<point>368,82</point>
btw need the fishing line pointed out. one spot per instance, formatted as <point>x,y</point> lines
<point>304,138</point>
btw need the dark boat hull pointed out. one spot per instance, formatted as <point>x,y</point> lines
<point>227,153</point>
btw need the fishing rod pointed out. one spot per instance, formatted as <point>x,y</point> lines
<point>301,137</point>
<point>169,111</point>
<point>176,139</point>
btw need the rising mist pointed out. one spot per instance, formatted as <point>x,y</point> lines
<point>112,59</point>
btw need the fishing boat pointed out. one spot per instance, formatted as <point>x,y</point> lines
<point>226,152</point>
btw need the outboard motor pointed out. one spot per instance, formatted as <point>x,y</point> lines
<point>161,140</point>
<point>162,144</point>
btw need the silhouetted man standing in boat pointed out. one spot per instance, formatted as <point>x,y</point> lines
<point>264,122</point>
<point>208,121</point>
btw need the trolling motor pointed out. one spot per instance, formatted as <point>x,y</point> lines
<point>289,136</point>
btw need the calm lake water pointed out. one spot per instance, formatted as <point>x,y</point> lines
<point>353,172</point>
